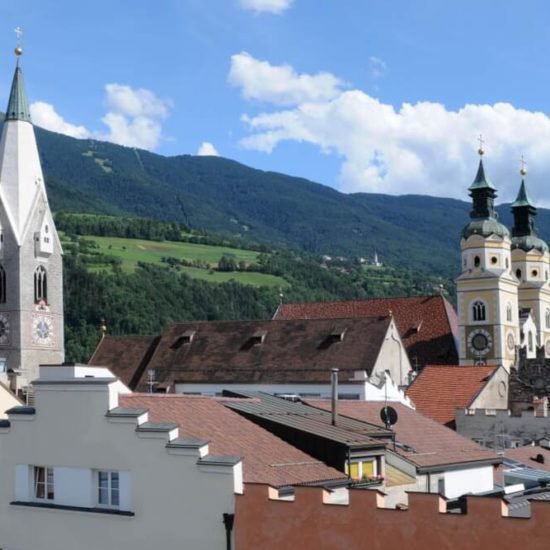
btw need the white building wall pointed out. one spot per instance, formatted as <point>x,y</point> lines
<point>472,480</point>
<point>176,503</point>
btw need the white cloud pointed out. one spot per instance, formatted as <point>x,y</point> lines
<point>281,85</point>
<point>134,118</point>
<point>207,149</point>
<point>421,148</point>
<point>377,67</point>
<point>269,6</point>
<point>44,115</point>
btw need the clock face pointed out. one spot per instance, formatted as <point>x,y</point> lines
<point>42,330</point>
<point>480,342</point>
<point>4,329</point>
<point>510,341</point>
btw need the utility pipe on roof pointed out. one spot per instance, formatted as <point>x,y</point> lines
<point>334,393</point>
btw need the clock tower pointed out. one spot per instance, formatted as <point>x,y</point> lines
<point>31,282</point>
<point>487,290</point>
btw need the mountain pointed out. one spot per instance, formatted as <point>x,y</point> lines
<point>226,197</point>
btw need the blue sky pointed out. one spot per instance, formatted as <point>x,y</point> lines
<point>376,96</point>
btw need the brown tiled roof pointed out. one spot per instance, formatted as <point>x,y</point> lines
<point>528,453</point>
<point>124,355</point>
<point>440,389</point>
<point>300,351</point>
<point>428,325</point>
<point>433,444</point>
<point>266,458</point>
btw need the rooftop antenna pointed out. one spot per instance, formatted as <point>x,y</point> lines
<point>151,382</point>
<point>334,393</point>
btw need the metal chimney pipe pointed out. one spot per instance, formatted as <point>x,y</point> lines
<point>334,393</point>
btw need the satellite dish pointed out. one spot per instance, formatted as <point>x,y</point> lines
<point>388,415</point>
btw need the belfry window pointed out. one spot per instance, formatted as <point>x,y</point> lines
<point>509,312</point>
<point>547,318</point>
<point>40,285</point>
<point>530,341</point>
<point>2,285</point>
<point>477,261</point>
<point>478,311</point>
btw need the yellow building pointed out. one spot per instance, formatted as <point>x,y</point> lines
<point>487,288</point>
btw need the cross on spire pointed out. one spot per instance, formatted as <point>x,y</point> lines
<point>481,151</point>
<point>523,169</point>
<point>18,34</point>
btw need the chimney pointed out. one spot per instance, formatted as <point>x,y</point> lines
<point>540,406</point>
<point>334,393</point>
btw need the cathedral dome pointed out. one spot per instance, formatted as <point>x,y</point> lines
<point>528,243</point>
<point>485,227</point>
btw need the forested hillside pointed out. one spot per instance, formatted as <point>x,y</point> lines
<point>141,297</point>
<point>230,199</point>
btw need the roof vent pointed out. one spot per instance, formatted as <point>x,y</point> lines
<point>335,335</point>
<point>185,338</point>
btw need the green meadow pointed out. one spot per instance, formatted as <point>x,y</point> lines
<point>132,251</point>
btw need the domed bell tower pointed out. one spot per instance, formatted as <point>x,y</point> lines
<point>531,267</point>
<point>487,290</point>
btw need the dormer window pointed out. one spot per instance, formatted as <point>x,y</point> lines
<point>185,339</point>
<point>258,337</point>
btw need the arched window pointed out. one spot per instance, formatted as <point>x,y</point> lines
<point>547,316</point>
<point>530,341</point>
<point>509,312</point>
<point>2,285</point>
<point>477,261</point>
<point>40,284</point>
<point>478,311</point>
<point>518,273</point>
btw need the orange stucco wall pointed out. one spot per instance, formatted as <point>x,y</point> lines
<point>308,524</point>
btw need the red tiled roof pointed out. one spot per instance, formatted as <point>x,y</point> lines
<point>440,389</point>
<point>433,444</point>
<point>266,458</point>
<point>428,325</point>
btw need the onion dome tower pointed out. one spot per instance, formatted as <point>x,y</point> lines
<point>531,266</point>
<point>487,290</point>
<point>31,279</point>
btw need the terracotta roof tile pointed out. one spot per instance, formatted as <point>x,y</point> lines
<point>433,444</point>
<point>428,325</point>
<point>266,458</point>
<point>440,389</point>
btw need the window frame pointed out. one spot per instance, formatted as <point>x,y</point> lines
<point>110,489</point>
<point>479,311</point>
<point>48,483</point>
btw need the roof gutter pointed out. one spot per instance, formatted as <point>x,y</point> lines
<point>454,465</point>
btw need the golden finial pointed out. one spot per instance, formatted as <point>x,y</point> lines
<point>523,169</point>
<point>103,328</point>
<point>18,48</point>
<point>481,151</point>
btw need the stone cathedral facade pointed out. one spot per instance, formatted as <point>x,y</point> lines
<point>31,278</point>
<point>503,291</point>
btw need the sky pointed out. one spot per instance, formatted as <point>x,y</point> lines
<point>384,96</point>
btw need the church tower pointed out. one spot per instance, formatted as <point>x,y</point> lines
<point>31,283</point>
<point>531,266</point>
<point>487,290</point>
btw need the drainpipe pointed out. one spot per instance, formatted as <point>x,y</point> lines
<point>228,520</point>
<point>334,393</point>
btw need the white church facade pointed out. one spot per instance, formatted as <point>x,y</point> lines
<point>31,281</point>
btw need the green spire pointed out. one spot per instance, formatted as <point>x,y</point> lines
<point>18,105</point>
<point>481,181</point>
<point>523,198</point>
